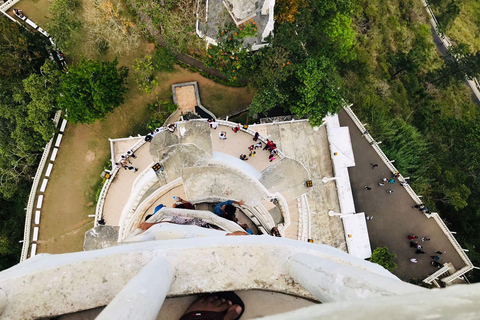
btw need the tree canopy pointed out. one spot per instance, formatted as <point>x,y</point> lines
<point>92,89</point>
<point>384,258</point>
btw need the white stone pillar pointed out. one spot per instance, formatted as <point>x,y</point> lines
<point>329,281</point>
<point>3,301</point>
<point>143,296</point>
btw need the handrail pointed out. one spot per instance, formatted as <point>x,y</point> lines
<point>33,193</point>
<point>436,274</point>
<point>412,193</point>
<point>106,186</point>
<point>452,239</point>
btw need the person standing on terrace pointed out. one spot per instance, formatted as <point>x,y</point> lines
<point>227,209</point>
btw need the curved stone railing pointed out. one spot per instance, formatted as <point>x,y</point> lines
<point>33,192</point>
<point>126,225</point>
<point>414,196</point>
<point>106,186</point>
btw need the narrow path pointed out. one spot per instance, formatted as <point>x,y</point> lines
<point>442,47</point>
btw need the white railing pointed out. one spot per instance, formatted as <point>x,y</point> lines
<point>436,274</point>
<point>380,153</point>
<point>7,5</point>
<point>457,274</point>
<point>33,193</point>
<point>106,186</point>
<point>414,196</point>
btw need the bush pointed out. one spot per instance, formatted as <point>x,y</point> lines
<point>163,60</point>
<point>145,74</point>
<point>384,258</point>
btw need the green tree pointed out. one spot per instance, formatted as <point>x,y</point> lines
<point>319,90</point>
<point>92,89</point>
<point>459,64</point>
<point>44,91</point>
<point>21,52</point>
<point>65,24</point>
<point>163,60</point>
<point>145,74</point>
<point>384,258</point>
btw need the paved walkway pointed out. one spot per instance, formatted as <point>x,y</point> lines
<point>394,219</point>
<point>119,191</point>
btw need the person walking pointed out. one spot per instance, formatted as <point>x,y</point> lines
<point>392,181</point>
<point>389,191</point>
<point>419,251</point>
<point>374,165</point>
<point>368,188</point>
<point>419,246</point>
<point>413,260</point>
<point>369,218</point>
<point>413,244</point>
<point>131,154</point>
<point>132,168</point>
<point>222,135</point>
<point>381,184</point>
<point>440,252</point>
<point>412,237</point>
<point>435,257</point>
<point>425,239</point>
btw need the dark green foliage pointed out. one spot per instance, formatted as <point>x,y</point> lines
<point>12,221</point>
<point>384,258</point>
<point>163,60</point>
<point>65,24</point>
<point>459,64</point>
<point>92,89</point>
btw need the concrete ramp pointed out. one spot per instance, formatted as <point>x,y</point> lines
<point>287,176</point>
<point>190,132</point>
<point>224,183</point>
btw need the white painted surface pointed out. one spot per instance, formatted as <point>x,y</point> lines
<point>93,278</point>
<point>330,281</point>
<point>40,201</point>
<point>35,234</point>
<point>64,124</point>
<point>143,295</point>
<point>459,302</point>
<point>31,23</point>
<point>44,185</point>
<point>59,140</point>
<point>37,216</point>
<point>49,170</point>
<point>355,226</point>
<point>54,154</point>
<point>231,161</point>
<point>33,251</point>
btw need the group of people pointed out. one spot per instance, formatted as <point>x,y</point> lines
<point>225,210</point>
<point>384,180</point>
<point>418,250</point>
<point>171,128</point>
<point>423,208</point>
<point>125,162</point>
